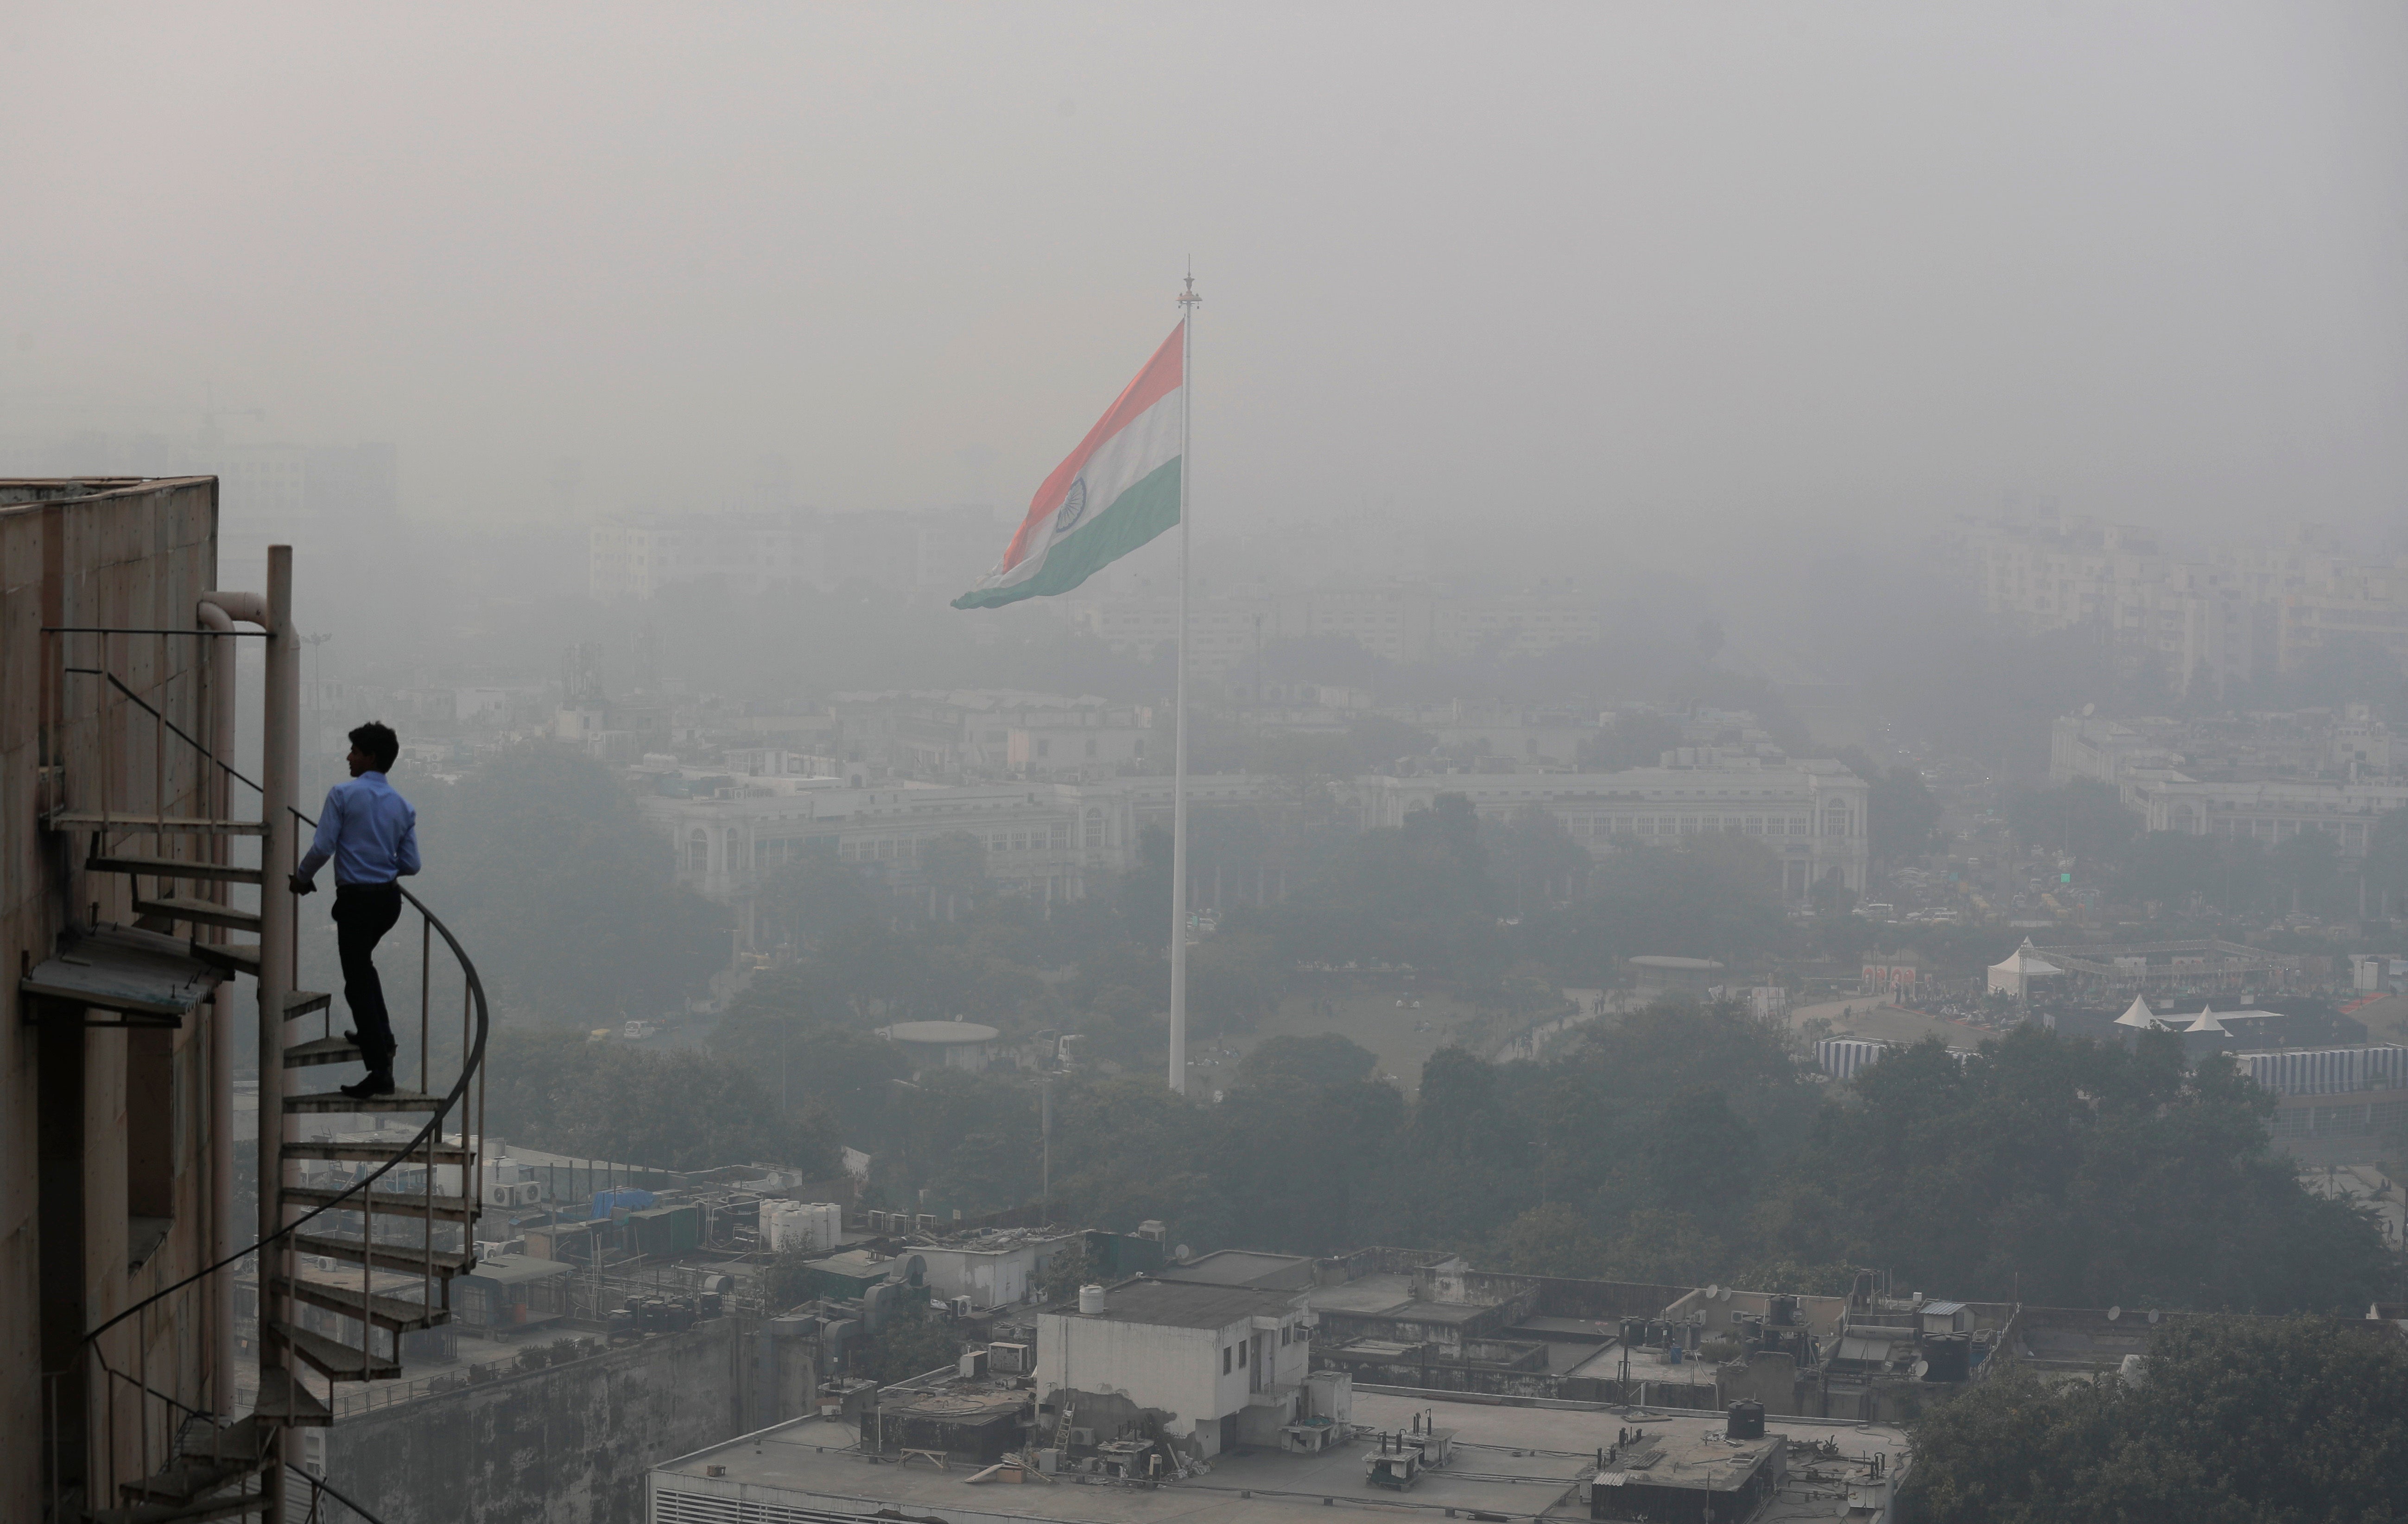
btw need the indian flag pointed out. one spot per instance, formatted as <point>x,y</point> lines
<point>1119,489</point>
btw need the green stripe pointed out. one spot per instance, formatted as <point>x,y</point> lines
<point>1135,516</point>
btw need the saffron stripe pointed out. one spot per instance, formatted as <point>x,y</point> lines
<point>1158,380</point>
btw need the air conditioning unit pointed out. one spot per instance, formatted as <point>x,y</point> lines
<point>960,1306</point>
<point>526,1193</point>
<point>1007,1360</point>
<point>877,1222</point>
<point>499,1194</point>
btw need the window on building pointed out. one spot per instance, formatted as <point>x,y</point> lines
<point>1058,838</point>
<point>153,1106</point>
<point>697,853</point>
<point>1241,1355</point>
<point>1227,1355</point>
<point>1094,830</point>
<point>1045,748</point>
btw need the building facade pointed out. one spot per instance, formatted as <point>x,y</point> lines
<point>1051,842</point>
<point>2240,612</point>
<point>114,1123</point>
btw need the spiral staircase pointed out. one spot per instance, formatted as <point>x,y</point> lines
<point>358,1239</point>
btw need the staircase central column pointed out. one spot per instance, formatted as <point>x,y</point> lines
<point>280,780</point>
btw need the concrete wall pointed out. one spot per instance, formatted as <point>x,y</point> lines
<point>1174,1369</point>
<point>570,1444</point>
<point>121,555</point>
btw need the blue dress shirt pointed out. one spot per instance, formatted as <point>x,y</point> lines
<point>370,832</point>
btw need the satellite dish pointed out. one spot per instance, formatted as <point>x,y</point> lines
<point>2153,1316</point>
<point>1183,1252</point>
<point>2115,1313</point>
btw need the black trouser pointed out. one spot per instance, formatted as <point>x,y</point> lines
<point>364,912</point>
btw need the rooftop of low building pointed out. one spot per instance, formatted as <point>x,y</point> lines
<point>1182,1304</point>
<point>1523,1463</point>
<point>1245,1267</point>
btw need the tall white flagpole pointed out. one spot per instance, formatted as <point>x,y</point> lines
<point>1188,301</point>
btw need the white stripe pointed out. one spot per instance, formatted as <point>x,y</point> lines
<point>1120,463</point>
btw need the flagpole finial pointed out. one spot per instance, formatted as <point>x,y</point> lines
<point>1187,298</point>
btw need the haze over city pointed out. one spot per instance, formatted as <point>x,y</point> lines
<point>1570,763</point>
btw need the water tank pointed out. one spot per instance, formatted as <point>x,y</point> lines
<point>1745,1420</point>
<point>1091,1300</point>
<point>1947,1357</point>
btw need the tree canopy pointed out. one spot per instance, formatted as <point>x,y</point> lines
<point>679,1109</point>
<point>572,901</point>
<point>2233,1422</point>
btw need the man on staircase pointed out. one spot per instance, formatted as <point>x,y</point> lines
<point>371,834</point>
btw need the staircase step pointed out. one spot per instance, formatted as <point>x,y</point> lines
<point>87,820</point>
<point>302,1002</point>
<point>401,1257</point>
<point>233,1505</point>
<point>335,1100</point>
<point>171,868</point>
<point>322,1050</point>
<point>393,1312</point>
<point>396,1203</point>
<point>199,911</point>
<point>285,1402</point>
<point>332,1358</point>
<point>209,1462</point>
<point>373,1153</point>
<point>233,956</point>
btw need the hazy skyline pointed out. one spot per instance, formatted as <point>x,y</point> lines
<point>1656,276</point>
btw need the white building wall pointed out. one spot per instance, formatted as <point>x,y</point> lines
<point>1176,1370</point>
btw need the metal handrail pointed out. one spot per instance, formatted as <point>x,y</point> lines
<point>471,1062</point>
<point>320,1484</point>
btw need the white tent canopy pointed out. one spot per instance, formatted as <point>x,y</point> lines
<point>2021,966</point>
<point>2139,1015</point>
<point>2206,1022</point>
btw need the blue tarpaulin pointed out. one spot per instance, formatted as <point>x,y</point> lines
<point>626,1199</point>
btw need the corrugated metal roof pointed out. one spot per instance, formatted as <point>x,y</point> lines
<point>1942,1309</point>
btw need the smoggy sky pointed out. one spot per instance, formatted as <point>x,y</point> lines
<point>1690,279</point>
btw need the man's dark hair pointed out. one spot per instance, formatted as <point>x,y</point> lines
<point>377,739</point>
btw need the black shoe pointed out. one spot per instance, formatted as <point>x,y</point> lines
<point>377,1083</point>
